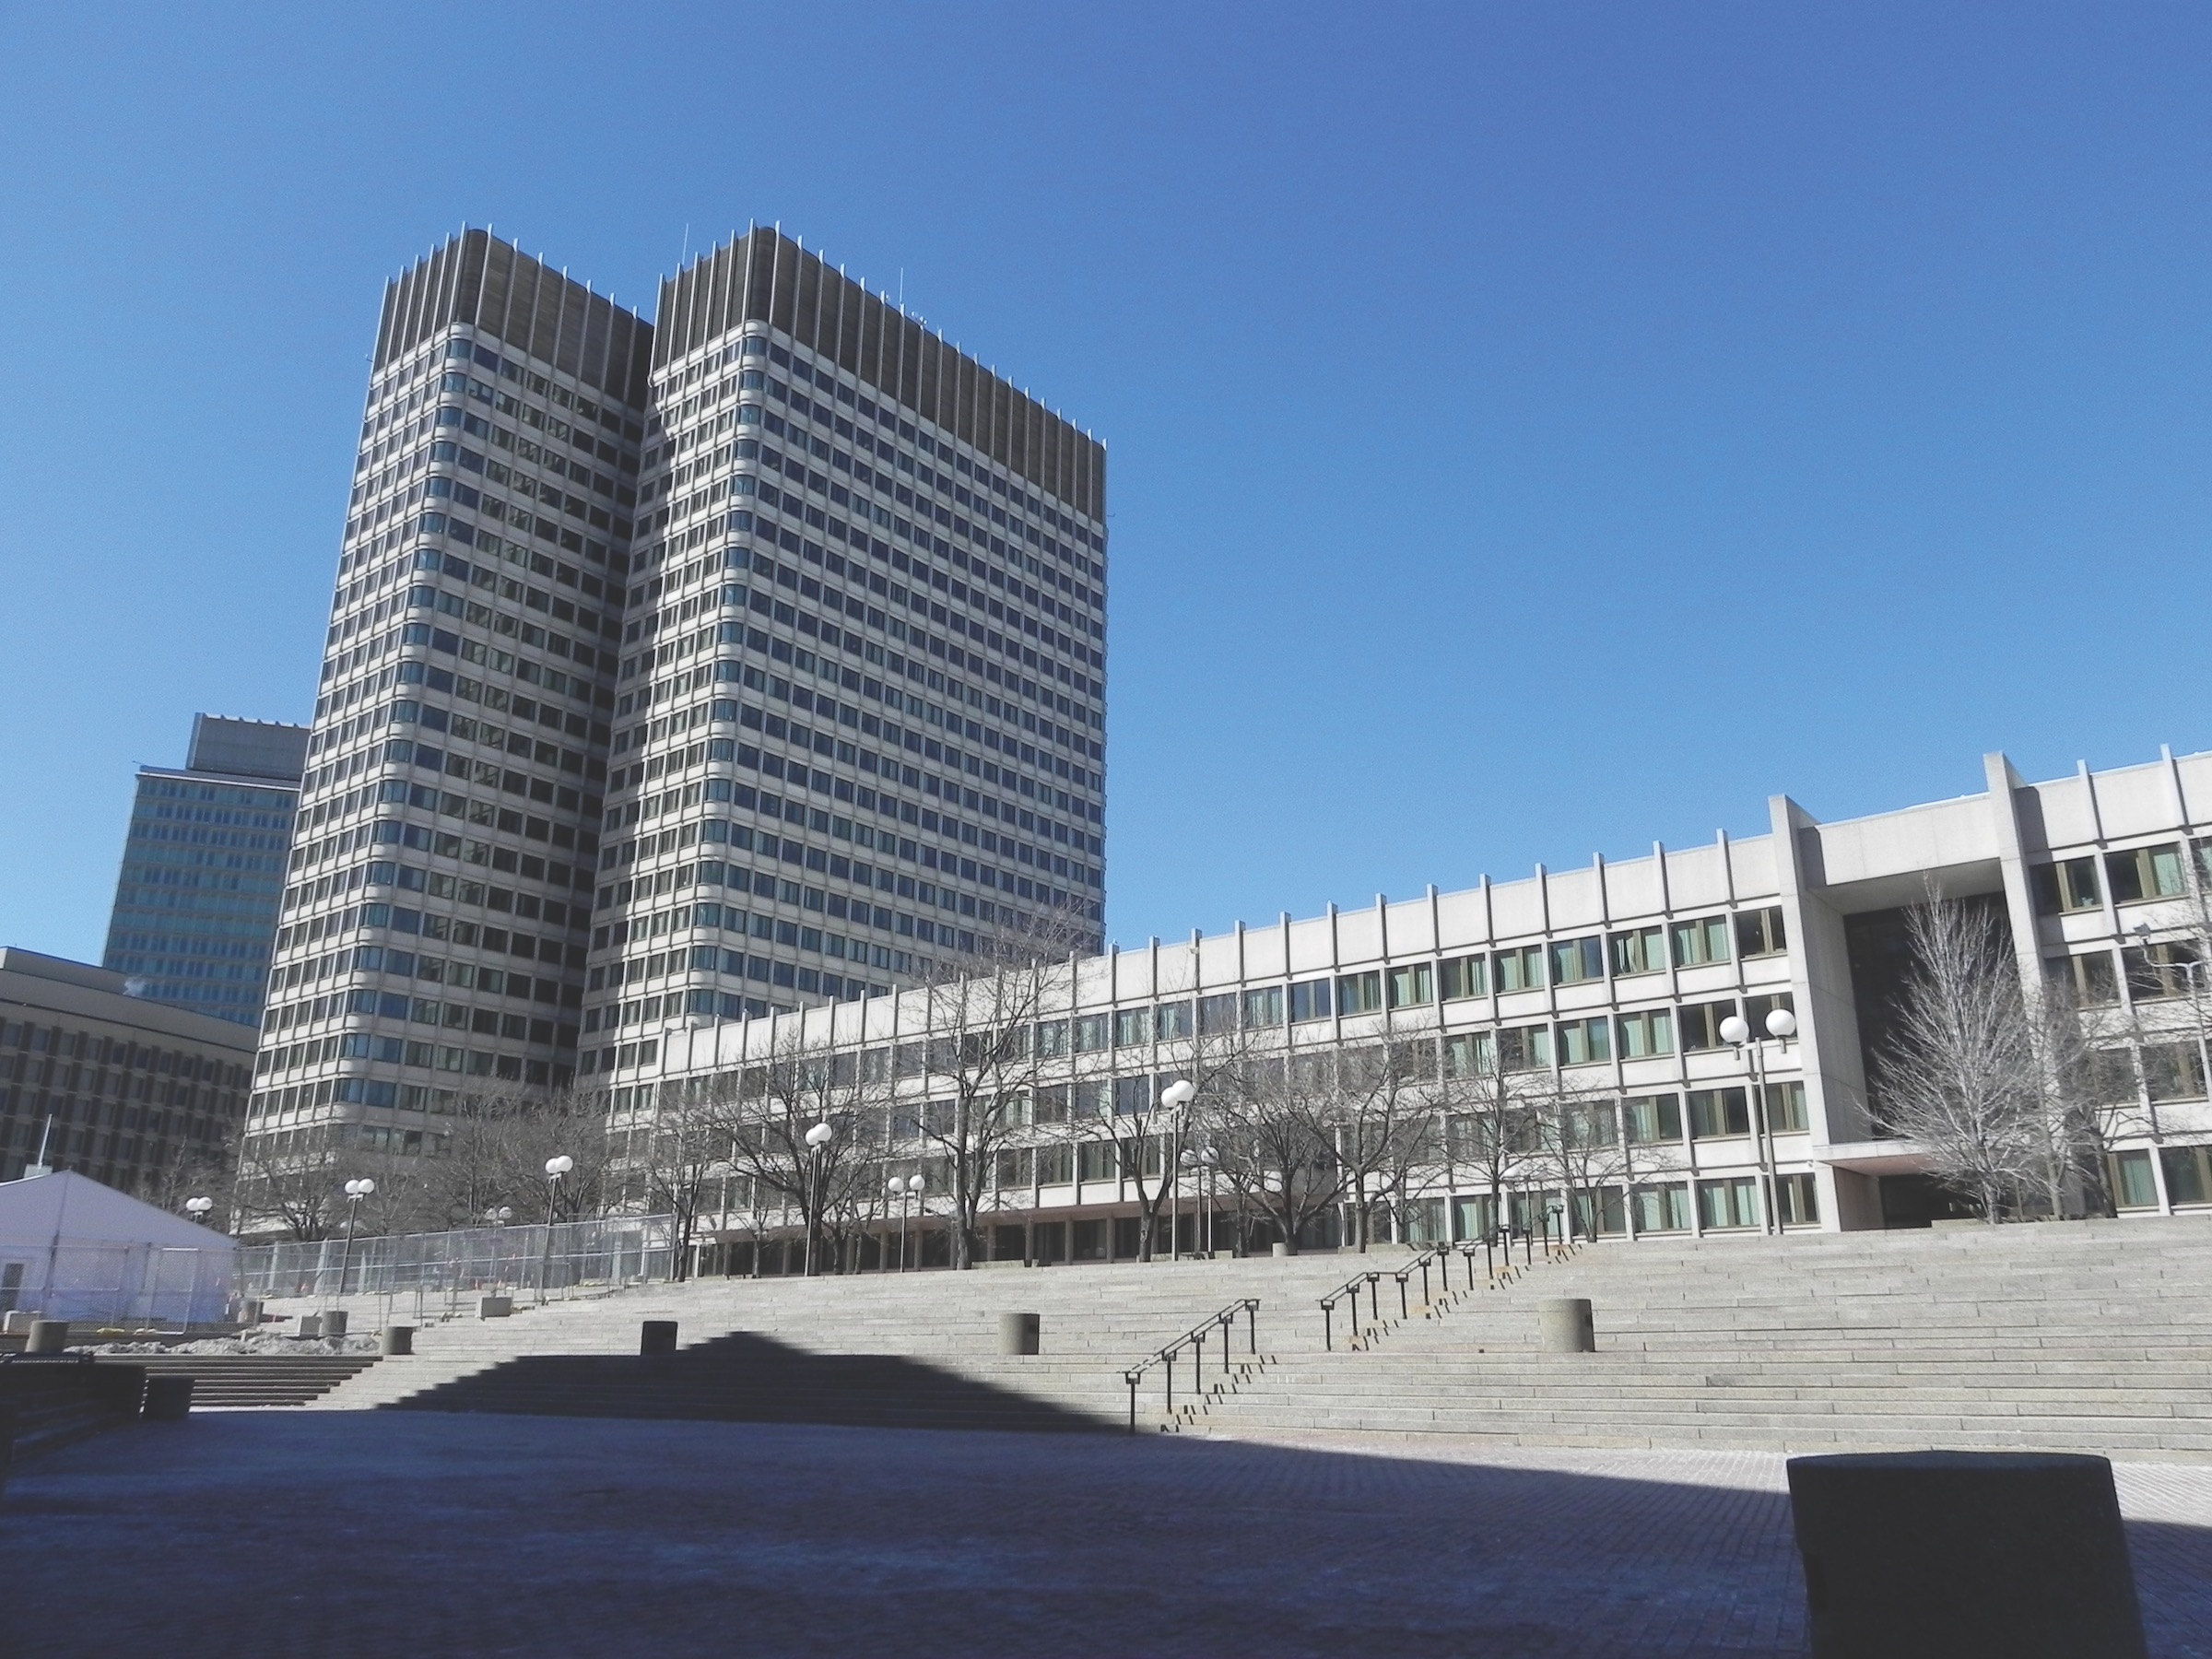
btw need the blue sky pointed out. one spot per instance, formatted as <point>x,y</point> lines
<point>1535,429</point>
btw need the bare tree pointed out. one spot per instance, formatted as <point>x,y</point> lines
<point>1270,1116</point>
<point>805,1127</point>
<point>1382,1115</point>
<point>1493,1119</point>
<point>978,1059</point>
<point>1580,1146</point>
<point>1963,1076</point>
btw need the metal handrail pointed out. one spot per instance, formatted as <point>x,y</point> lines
<point>1194,1339</point>
<point>1349,1288</point>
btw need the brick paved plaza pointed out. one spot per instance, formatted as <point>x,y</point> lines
<point>429,1534</point>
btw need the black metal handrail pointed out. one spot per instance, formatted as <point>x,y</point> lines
<point>1194,1339</point>
<point>1351,1287</point>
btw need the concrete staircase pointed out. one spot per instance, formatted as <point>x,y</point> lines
<point>253,1379</point>
<point>1097,1321</point>
<point>2093,1336</point>
<point>2083,1336</point>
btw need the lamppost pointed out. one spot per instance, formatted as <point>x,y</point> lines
<point>355,1192</point>
<point>555,1168</point>
<point>916,1187</point>
<point>1782,1025</point>
<point>197,1208</point>
<point>817,1138</point>
<point>1173,1099</point>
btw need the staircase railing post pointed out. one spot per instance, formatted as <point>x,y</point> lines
<point>1328,1342</point>
<point>1252,1325</point>
<point>1130,1377</point>
<point>1171,1358</point>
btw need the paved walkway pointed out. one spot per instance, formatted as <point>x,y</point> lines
<point>419,1534</point>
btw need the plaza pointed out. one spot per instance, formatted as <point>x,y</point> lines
<point>422,1533</point>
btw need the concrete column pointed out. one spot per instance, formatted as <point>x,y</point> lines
<point>1565,1325</point>
<point>397,1339</point>
<point>656,1338</point>
<point>1019,1333</point>
<point>47,1337</point>
<point>1964,1552</point>
<point>334,1323</point>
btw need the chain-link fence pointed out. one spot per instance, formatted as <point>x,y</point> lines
<point>567,1259</point>
<point>119,1285</point>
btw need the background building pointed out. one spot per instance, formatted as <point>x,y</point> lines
<point>203,867</point>
<point>137,1094</point>
<point>751,664</point>
<point>860,732</point>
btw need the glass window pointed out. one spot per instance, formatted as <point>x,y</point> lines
<point>1524,1048</point>
<point>1639,950</point>
<point>1050,1105</point>
<point>2173,1071</point>
<point>1133,1096</point>
<point>1786,1108</point>
<point>1797,1200</point>
<point>1309,1000</point>
<point>1729,1203</point>
<point>1131,1027</point>
<point>1052,1038</point>
<point>1760,932</point>
<point>2090,978</point>
<point>1263,1007</point>
<point>2143,873</point>
<point>1756,1008</point>
<point>1661,1208</point>
<point>1090,1033</point>
<point>2188,1174</point>
<point>1521,969</point>
<point>1055,1165</point>
<point>1463,977</point>
<point>2158,972</point>
<point>1094,1097</point>
<point>1700,942</point>
<point>1412,987</point>
<point>1647,1032</point>
<point>1715,1113</point>
<point>1171,1021</point>
<point>1097,1161</point>
<point>2069,885</point>
<point>1652,1119</point>
<point>1575,960</point>
<point>2134,1186</point>
<point>1700,1027</point>
<point>1584,1042</point>
<point>1359,994</point>
<point>1600,1212</point>
<point>1218,1013</point>
<point>1469,1054</point>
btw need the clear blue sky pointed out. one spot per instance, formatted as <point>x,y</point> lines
<point>1535,429</point>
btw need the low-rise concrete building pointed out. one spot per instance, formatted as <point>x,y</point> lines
<point>1615,987</point>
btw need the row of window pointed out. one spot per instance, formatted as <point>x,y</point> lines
<point>2134,875</point>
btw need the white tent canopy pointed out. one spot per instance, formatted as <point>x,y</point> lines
<point>73,1249</point>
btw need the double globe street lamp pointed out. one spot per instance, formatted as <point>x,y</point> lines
<point>912,1188</point>
<point>356,1190</point>
<point>1782,1025</point>
<point>555,1168</point>
<point>817,1140</point>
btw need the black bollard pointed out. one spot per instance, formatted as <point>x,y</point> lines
<point>1913,1555</point>
<point>656,1338</point>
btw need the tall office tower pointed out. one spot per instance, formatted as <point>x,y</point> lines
<point>860,722</point>
<point>438,908</point>
<point>202,868</point>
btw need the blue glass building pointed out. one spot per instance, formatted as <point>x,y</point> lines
<point>203,870</point>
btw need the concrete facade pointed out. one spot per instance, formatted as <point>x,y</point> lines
<point>1615,976</point>
<point>140,1096</point>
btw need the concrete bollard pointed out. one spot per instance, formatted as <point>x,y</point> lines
<point>495,1307</point>
<point>311,1325</point>
<point>48,1337</point>
<point>1937,1553</point>
<point>1279,1251</point>
<point>1565,1325</point>
<point>334,1323</point>
<point>397,1339</point>
<point>656,1338</point>
<point>168,1399</point>
<point>1019,1333</point>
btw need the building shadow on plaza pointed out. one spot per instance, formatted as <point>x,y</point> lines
<point>746,1378</point>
